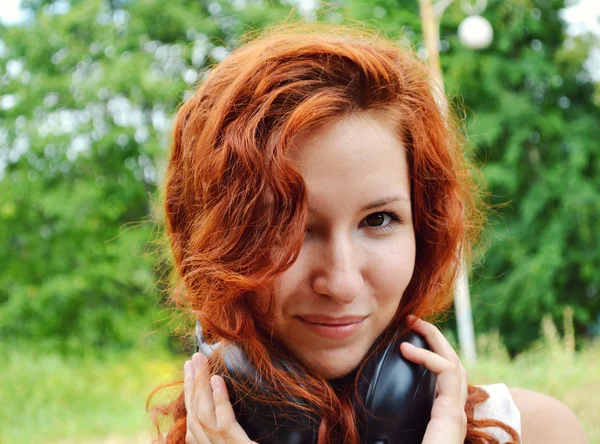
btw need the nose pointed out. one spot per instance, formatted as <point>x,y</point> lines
<point>338,273</point>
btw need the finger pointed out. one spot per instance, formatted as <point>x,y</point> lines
<point>432,361</point>
<point>203,399</point>
<point>434,338</point>
<point>190,438</point>
<point>194,433</point>
<point>322,433</point>
<point>448,375</point>
<point>227,424</point>
<point>440,345</point>
<point>202,393</point>
<point>188,384</point>
<point>465,386</point>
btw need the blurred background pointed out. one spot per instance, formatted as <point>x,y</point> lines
<point>88,90</point>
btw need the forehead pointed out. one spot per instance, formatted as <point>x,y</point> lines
<point>356,155</point>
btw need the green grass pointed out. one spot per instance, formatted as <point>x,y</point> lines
<point>573,378</point>
<point>47,398</point>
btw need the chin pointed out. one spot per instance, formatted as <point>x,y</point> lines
<point>332,367</point>
<point>337,372</point>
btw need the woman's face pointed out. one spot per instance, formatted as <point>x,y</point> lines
<point>358,254</point>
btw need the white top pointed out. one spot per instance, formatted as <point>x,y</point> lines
<point>500,406</point>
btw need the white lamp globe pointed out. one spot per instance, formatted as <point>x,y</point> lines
<point>475,32</point>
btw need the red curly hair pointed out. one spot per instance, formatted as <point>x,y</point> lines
<point>228,159</point>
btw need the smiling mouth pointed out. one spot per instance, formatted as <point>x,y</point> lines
<point>334,330</point>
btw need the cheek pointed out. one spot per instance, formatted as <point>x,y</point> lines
<point>284,286</point>
<point>391,270</point>
<point>287,285</point>
<point>284,291</point>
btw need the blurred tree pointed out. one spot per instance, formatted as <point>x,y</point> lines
<point>533,125</point>
<point>88,89</point>
<point>87,92</point>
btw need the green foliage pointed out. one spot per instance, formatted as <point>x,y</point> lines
<point>78,158</point>
<point>87,100</point>
<point>83,140</point>
<point>534,127</point>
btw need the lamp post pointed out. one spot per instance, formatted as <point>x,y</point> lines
<point>474,32</point>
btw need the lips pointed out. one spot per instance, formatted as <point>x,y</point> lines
<point>328,327</point>
<point>329,320</point>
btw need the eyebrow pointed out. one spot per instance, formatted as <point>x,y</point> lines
<point>384,201</point>
<point>376,203</point>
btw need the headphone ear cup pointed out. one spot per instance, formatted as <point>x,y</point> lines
<point>263,423</point>
<point>398,395</point>
<point>267,423</point>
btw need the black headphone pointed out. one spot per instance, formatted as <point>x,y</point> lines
<point>398,396</point>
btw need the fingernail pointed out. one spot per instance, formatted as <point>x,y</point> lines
<point>413,320</point>
<point>215,383</point>
<point>199,360</point>
<point>187,366</point>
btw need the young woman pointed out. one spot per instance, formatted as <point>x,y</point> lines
<point>316,198</point>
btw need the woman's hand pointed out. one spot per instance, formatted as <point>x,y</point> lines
<point>448,423</point>
<point>207,402</point>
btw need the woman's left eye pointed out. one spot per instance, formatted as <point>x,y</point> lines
<point>381,220</point>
